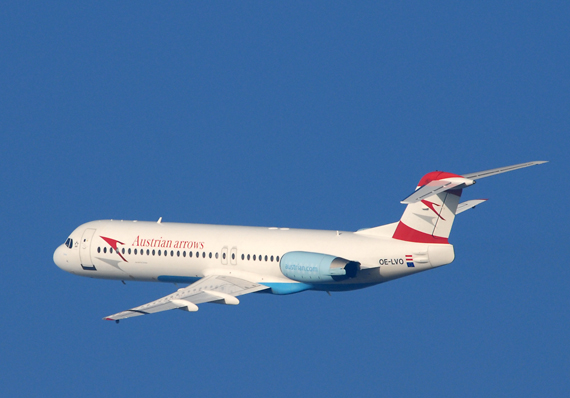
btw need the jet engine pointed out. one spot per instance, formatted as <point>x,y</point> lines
<point>309,267</point>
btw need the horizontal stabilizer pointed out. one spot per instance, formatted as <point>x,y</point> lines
<point>469,204</point>
<point>437,186</point>
<point>492,172</point>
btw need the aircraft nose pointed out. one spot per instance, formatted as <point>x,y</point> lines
<point>60,258</point>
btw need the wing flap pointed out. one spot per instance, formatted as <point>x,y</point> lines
<point>215,288</point>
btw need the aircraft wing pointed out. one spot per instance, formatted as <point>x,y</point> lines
<point>215,288</point>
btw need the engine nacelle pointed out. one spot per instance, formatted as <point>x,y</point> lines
<point>311,267</point>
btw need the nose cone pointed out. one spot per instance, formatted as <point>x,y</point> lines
<point>60,258</point>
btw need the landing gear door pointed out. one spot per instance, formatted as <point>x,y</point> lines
<point>85,250</point>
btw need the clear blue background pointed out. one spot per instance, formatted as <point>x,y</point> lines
<point>321,115</point>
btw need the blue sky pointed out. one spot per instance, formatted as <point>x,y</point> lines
<point>321,115</point>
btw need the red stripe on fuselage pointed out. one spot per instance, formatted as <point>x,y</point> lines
<point>403,232</point>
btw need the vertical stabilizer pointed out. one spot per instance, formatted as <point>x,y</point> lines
<point>430,219</point>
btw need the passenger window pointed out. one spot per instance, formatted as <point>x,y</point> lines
<point>123,250</point>
<point>147,252</point>
<point>104,250</point>
<point>233,256</point>
<point>135,251</point>
<point>210,255</point>
<point>248,256</point>
<point>129,251</point>
<point>172,253</point>
<point>272,258</point>
<point>203,254</point>
<point>243,257</point>
<point>159,252</point>
<point>254,257</point>
<point>111,250</point>
<point>224,256</point>
<point>178,253</point>
<point>153,252</point>
<point>189,254</point>
<point>98,250</point>
<point>260,257</point>
<point>266,258</point>
<point>184,253</point>
<point>216,255</point>
<point>277,258</point>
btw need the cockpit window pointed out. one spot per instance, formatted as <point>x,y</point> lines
<point>69,243</point>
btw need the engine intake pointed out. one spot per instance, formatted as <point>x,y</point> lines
<point>312,267</point>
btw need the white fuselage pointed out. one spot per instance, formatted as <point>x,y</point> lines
<point>184,253</point>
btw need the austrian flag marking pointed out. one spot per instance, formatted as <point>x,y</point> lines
<point>410,260</point>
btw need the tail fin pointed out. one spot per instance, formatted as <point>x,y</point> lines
<point>431,209</point>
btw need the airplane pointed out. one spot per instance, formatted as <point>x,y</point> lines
<point>220,262</point>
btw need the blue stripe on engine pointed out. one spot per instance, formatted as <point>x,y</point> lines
<point>289,288</point>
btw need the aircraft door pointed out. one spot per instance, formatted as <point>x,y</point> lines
<point>85,250</point>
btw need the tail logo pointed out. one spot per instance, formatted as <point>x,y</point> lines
<point>431,206</point>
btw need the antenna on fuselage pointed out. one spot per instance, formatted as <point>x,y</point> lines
<point>159,220</point>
